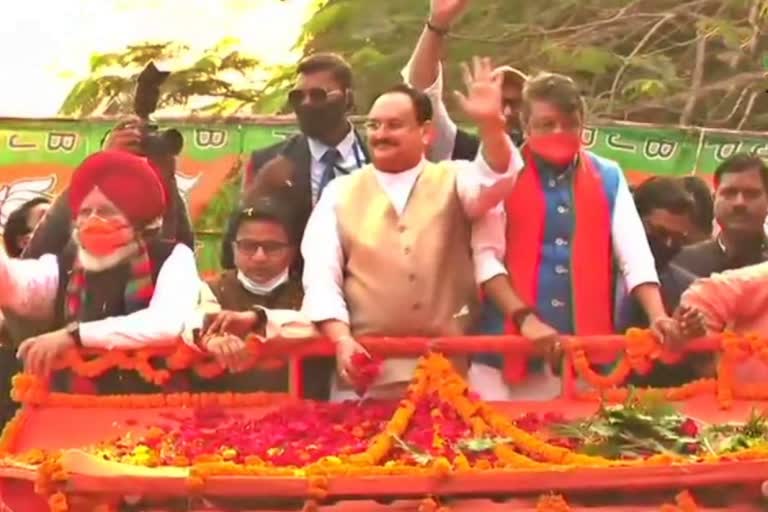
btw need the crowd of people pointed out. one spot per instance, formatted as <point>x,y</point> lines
<point>415,228</point>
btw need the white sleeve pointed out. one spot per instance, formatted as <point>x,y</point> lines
<point>630,245</point>
<point>28,287</point>
<point>445,129</point>
<point>288,324</point>
<point>324,261</point>
<point>489,244</point>
<point>162,322</point>
<point>480,188</point>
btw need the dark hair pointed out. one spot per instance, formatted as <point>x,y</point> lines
<point>559,90</point>
<point>18,225</point>
<point>273,197</point>
<point>704,215</point>
<point>330,62</point>
<point>742,162</point>
<point>422,106</point>
<point>661,192</point>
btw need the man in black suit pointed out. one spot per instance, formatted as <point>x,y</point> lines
<point>741,206</point>
<point>328,145</point>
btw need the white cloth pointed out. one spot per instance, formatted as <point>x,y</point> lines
<point>478,186</point>
<point>444,128</point>
<point>489,384</point>
<point>28,288</point>
<point>352,158</point>
<point>262,288</point>
<point>632,254</point>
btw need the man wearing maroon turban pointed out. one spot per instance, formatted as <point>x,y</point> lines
<point>112,287</point>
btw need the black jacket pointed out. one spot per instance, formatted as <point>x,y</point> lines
<point>296,149</point>
<point>707,258</point>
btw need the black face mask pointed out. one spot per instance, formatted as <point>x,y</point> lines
<point>316,121</point>
<point>662,251</point>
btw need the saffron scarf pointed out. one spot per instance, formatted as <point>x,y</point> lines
<point>591,253</point>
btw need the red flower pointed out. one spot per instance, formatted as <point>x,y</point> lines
<point>689,428</point>
<point>367,370</point>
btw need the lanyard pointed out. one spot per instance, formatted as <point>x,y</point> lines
<point>361,156</point>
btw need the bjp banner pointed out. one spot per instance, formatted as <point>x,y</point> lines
<point>37,158</point>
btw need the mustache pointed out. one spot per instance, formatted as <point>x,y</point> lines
<point>383,142</point>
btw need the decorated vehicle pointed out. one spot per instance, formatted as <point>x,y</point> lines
<point>598,447</point>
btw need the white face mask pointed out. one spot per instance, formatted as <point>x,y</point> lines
<point>262,288</point>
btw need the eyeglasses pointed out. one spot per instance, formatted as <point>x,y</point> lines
<point>315,94</point>
<point>270,248</point>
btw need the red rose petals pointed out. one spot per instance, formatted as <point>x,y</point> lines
<point>366,371</point>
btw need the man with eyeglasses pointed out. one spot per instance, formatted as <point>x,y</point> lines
<point>265,246</point>
<point>387,250</point>
<point>328,145</point>
<point>424,72</point>
<point>667,210</point>
<point>549,267</point>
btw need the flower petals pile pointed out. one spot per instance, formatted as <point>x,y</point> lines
<point>290,436</point>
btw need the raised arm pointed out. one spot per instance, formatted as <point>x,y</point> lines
<point>424,72</point>
<point>482,104</point>
<point>484,183</point>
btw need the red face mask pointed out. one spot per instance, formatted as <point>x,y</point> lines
<point>557,148</point>
<point>102,237</point>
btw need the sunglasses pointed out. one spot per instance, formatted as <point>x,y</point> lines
<point>315,95</point>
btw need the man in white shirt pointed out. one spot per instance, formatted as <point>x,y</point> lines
<point>387,250</point>
<point>328,145</point>
<point>112,287</point>
<point>555,241</point>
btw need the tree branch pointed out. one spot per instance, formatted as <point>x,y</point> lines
<point>617,78</point>
<point>696,79</point>
<point>747,110</point>
<point>740,80</point>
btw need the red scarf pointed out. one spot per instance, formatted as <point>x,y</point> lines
<point>591,254</point>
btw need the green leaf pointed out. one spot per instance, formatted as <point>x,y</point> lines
<point>482,444</point>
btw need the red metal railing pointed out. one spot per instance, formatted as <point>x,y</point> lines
<point>601,347</point>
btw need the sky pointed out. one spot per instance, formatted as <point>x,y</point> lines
<point>47,44</point>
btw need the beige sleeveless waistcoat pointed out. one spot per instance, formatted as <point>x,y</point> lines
<point>409,275</point>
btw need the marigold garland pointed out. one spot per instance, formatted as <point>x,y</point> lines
<point>642,350</point>
<point>434,374</point>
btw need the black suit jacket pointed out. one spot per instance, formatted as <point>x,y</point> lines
<point>296,149</point>
<point>707,258</point>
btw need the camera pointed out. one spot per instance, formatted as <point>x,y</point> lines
<point>156,144</point>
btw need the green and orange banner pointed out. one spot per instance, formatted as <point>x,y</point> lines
<point>37,158</point>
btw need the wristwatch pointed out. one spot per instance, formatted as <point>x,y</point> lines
<point>519,316</point>
<point>73,330</point>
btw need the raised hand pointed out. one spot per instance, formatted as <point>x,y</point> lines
<point>482,103</point>
<point>443,13</point>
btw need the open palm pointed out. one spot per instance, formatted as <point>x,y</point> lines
<point>482,102</point>
<point>445,12</point>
